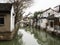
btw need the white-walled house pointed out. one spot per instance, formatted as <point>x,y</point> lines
<point>7,21</point>
<point>54,21</point>
<point>44,18</point>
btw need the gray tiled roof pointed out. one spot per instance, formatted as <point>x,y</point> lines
<point>5,7</point>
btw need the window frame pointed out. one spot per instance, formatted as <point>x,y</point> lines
<point>1,24</point>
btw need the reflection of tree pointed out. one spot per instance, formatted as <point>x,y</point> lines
<point>53,40</point>
<point>38,35</point>
<point>42,37</point>
<point>15,41</point>
<point>30,29</point>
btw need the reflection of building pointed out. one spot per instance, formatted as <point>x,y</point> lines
<point>7,20</point>
<point>16,41</point>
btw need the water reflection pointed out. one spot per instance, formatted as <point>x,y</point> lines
<point>16,41</point>
<point>28,38</point>
<point>44,38</point>
<point>32,36</point>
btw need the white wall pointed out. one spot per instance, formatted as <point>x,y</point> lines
<point>45,14</point>
<point>57,15</point>
<point>43,23</point>
<point>12,19</point>
<point>38,23</point>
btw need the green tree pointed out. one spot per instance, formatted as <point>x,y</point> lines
<point>36,14</point>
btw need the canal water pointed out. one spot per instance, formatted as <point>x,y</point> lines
<point>32,36</point>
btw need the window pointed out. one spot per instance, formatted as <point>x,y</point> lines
<point>51,24</point>
<point>13,14</point>
<point>48,14</point>
<point>1,20</point>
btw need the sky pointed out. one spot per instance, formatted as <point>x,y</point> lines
<point>39,5</point>
<point>3,1</point>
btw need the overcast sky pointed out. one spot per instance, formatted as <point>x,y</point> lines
<point>42,5</point>
<point>3,1</point>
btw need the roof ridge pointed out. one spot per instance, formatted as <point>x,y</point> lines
<point>49,9</point>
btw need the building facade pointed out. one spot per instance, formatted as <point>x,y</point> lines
<point>7,21</point>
